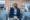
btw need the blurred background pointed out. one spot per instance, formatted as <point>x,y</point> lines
<point>8,3</point>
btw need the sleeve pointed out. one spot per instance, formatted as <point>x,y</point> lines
<point>10,13</point>
<point>23,17</point>
<point>20,15</point>
<point>7,15</point>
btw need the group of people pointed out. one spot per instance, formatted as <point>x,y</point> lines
<point>14,12</point>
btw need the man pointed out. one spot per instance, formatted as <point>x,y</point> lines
<point>23,11</point>
<point>26,15</point>
<point>3,13</point>
<point>15,12</point>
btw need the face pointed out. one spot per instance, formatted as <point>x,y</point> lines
<point>15,6</point>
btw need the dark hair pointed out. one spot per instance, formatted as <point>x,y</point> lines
<point>15,6</point>
<point>2,7</point>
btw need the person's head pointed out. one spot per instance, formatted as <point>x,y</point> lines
<point>15,5</point>
<point>1,7</point>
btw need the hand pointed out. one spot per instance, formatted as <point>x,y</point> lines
<point>15,16</point>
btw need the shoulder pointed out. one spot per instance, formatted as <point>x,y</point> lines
<point>11,8</point>
<point>5,11</point>
<point>18,8</point>
<point>26,13</point>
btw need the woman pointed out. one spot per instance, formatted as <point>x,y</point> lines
<point>15,11</point>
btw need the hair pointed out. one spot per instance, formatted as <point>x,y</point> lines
<point>15,6</point>
<point>2,7</point>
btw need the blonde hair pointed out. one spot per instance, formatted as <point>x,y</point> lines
<point>14,4</point>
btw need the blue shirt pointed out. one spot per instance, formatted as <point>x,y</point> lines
<point>26,14</point>
<point>3,15</point>
<point>15,12</point>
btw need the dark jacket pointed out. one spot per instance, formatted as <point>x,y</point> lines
<point>11,14</point>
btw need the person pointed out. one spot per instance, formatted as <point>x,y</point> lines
<point>15,11</point>
<point>26,15</point>
<point>3,13</point>
<point>24,10</point>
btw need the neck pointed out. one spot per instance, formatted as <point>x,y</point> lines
<point>14,8</point>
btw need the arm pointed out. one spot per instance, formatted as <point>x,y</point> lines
<point>7,15</point>
<point>23,17</point>
<point>20,14</point>
<point>10,13</point>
